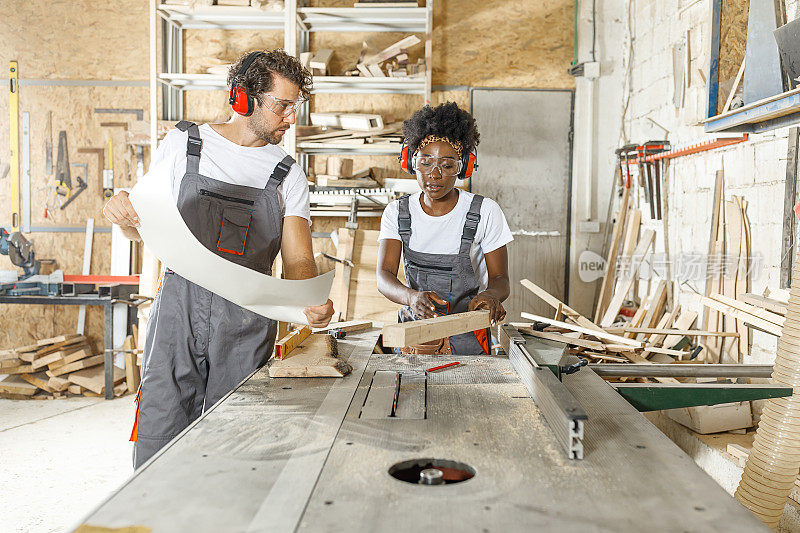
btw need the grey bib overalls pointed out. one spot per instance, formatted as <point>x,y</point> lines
<point>198,345</point>
<point>451,276</point>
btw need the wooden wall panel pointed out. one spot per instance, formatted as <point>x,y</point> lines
<point>76,39</point>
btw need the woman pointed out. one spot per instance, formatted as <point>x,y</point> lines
<point>453,242</point>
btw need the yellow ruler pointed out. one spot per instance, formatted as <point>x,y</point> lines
<point>14,127</point>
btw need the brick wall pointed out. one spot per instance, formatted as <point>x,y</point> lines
<point>755,169</point>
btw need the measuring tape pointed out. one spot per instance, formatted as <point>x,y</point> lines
<point>14,126</point>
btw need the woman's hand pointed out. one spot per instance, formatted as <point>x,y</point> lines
<point>486,300</point>
<point>422,303</point>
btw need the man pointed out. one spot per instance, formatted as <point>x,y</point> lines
<point>245,200</point>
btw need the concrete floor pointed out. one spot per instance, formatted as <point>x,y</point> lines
<point>60,458</point>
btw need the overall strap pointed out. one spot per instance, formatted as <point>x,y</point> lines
<point>471,224</point>
<point>404,220</point>
<point>193,146</point>
<point>280,172</point>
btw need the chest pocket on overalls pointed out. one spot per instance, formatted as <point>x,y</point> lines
<point>234,216</point>
<point>438,279</point>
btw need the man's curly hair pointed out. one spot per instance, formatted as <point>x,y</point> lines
<point>259,76</point>
<point>444,120</point>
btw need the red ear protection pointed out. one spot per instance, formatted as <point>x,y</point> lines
<point>469,162</point>
<point>239,100</point>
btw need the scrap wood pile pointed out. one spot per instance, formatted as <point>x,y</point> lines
<point>654,334</point>
<point>349,130</point>
<point>657,328</point>
<point>61,366</point>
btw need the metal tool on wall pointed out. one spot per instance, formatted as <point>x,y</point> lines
<point>108,173</point>
<point>13,85</point>
<point>48,145</point>
<point>63,180</point>
<point>100,160</point>
<point>81,184</point>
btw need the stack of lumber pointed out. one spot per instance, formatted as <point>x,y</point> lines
<point>358,132</point>
<point>393,61</point>
<point>54,368</point>
<point>655,334</point>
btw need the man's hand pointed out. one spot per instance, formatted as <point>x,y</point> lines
<point>119,210</point>
<point>485,300</point>
<point>422,303</point>
<point>319,316</point>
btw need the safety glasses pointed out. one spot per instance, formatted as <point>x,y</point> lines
<point>282,108</point>
<point>448,166</point>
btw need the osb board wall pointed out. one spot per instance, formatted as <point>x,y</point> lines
<point>75,39</point>
<point>732,42</point>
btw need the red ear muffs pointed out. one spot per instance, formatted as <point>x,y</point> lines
<point>407,159</point>
<point>468,165</point>
<point>241,102</point>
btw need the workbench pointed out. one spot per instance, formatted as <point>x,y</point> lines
<point>299,455</point>
<point>108,323</point>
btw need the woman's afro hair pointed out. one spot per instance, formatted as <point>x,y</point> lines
<point>445,120</point>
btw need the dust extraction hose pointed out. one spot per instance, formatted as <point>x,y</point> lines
<point>774,461</point>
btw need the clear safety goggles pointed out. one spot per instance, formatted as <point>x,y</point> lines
<point>282,108</point>
<point>448,166</point>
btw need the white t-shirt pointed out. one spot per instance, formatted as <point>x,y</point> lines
<point>442,235</point>
<point>226,161</point>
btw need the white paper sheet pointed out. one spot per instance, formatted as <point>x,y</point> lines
<point>166,235</point>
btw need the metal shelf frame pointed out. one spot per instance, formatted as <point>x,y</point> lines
<point>297,22</point>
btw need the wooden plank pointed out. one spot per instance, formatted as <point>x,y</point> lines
<point>684,322</point>
<point>340,293</point>
<point>17,385</point>
<point>77,355</point>
<point>607,285</point>
<point>558,304</point>
<point>321,60</point>
<point>19,369</point>
<point>770,304</point>
<point>58,384</point>
<point>636,320</point>
<point>60,345</point>
<point>39,380</point>
<point>429,329</point>
<point>94,378</point>
<point>77,365</point>
<point>56,356</point>
<point>766,325</point>
<point>583,343</point>
<point>10,363</point>
<point>291,341</point>
<point>132,377</point>
<point>716,211</point>
<point>658,338</point>
<point>632,227</point>
<point>392,50</point>
<point>599,334</point>
<point>674,331</point>
<point>58,339</point>
<point>313,358</point>
<point>627,282</point>
<point>351,326</point>
<point>655,307</point>
<point>750,309</point>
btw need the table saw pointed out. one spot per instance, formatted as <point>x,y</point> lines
<point>348,454</point>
